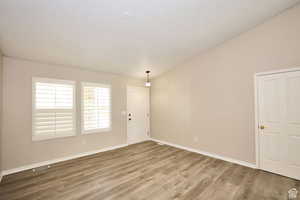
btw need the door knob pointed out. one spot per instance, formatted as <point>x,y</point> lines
<point>262,127</point>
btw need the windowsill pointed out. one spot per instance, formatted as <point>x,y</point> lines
<point>95,131</point>
<point>49,137</point>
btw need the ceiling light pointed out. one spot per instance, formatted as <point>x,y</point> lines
<point>148,83</point>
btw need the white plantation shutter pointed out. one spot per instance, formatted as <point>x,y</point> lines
<point>96,107</point>
<point>53,108</point>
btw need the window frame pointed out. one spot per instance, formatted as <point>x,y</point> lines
<point>99,130</point>
<point>34,109</point>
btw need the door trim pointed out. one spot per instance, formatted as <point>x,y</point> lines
<point>256,107</point>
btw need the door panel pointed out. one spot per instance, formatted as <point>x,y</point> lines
<point>293,151</point>
<point>271,143</point>
<point>279,113</point>
<point>271,100</point>
<point>270,118</point>
<point>293,99</point>
<point>292,119</point>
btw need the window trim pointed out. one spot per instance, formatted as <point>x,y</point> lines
<point>34,110</point>
<point>99,130</point>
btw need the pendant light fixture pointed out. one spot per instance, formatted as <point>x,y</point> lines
<point>148,83</point>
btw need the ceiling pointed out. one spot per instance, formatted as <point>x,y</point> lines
<point>125,36</point>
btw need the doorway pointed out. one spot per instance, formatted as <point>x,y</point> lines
<point>278,122</point>
<point>138,116</point>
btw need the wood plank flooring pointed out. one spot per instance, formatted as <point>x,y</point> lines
<point>146,171</point>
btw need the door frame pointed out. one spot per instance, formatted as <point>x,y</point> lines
<point>126,115</point>
<point>257,76</point>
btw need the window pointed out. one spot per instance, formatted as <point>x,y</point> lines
<point>53,113</point>
<point>96,108</point>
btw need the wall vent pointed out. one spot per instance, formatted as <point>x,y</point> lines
<point>40,169</point>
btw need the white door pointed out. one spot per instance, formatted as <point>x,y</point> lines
<point>279,123</point>
<point>137,114</point>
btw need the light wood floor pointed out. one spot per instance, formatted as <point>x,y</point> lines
<point>146,171</point>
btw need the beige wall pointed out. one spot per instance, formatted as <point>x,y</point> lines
<point>208,102</point>
<point>1,85</point>
<point>18,148</point>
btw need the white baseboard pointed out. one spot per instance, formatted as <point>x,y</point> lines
<point>239,162</point>
<point>49,162</point>
<point>144,140</point>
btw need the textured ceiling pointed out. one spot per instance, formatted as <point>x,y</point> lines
<point>125,36</point>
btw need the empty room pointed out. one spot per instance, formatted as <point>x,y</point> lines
<point>149,100</point>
